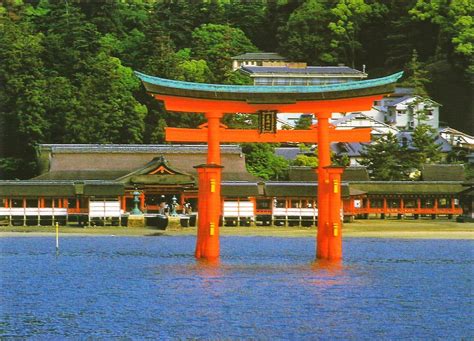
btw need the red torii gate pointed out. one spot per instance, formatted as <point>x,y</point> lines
<point>216,100</point>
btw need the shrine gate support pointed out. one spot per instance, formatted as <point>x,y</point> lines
<point>216,100</point>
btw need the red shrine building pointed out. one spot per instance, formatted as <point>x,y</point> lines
<point>74,176</point>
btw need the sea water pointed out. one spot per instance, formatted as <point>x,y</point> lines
<point>263,288</point>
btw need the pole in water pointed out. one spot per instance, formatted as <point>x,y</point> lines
<point>57,237</point>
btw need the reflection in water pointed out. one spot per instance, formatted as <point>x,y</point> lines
<point>262,288</point>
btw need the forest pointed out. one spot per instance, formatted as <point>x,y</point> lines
<point>66,67</point>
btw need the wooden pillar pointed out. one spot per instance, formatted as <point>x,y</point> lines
<point>334,236</point>
<point>213,138</point>
<point>142,201</point>
<point>123,202</point>
<point>324,156</point>
<point>209,207</point>
<point>24,211</point>
<point>435,208</point>
<point>209,194</point>
<point>384,208</point>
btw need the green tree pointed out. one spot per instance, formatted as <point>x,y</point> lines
<point>69,41</point>
<point>386,159</point>
<point>305,160</point>
<point>306,35</point>
<point>216,44</point>
<point>349,17</point>
<point>249,16</point>
<point>304,122</point>
<point>416,76</point>
<point>194,71</point>
<point>455,19</point>
<point>426,149</point>
<point>262,162</point>
<point>108,112</point>
<point>22,95</point>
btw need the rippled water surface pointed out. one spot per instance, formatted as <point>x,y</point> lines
<point>263,288</point>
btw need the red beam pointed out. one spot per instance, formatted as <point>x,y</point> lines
<point>247,135</point>
<point>184,104</point>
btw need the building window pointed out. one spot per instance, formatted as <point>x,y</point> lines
<point>263,204</point>
<point>393,203</point>
<point>17,202</point>
<point>410,203</point>
<point>263,81</point>
<point>281,81</point>
<point>427,203</point>
<point>444,202</point>
<point>298,81</point>
<point>315,81</point>
<point>376,203</point>
<point>33,203</point>
<point>280,203</point>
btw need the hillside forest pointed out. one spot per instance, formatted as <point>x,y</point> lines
<point>66,67</point>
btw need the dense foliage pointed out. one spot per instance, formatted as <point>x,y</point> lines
<point>66,66</point>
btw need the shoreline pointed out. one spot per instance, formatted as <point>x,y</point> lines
<point>389,229</point>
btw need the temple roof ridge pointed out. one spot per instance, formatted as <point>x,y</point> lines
<point>269,89</point>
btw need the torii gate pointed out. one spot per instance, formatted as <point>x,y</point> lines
<point>215,100</point>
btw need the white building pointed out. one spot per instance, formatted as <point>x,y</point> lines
<point>410,111</point>
<point>257,59</point>
<point>362,120</point>
<point>457,138</point>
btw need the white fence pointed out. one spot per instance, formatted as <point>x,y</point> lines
<point>295,212</point>
<point>238,209</point>
<point>32,211</point>
<point>104,209</point>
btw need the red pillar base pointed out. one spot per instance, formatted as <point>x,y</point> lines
<point>209,211</point>
<point>329,243</point>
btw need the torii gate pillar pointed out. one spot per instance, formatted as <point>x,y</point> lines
<point>209,194</point>
<point>329,239</point>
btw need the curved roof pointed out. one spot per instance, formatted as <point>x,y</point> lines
<point>269,94</point>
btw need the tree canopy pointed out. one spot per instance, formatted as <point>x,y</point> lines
<point>66,66</point>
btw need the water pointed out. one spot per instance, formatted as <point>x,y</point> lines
<point>264,288</point>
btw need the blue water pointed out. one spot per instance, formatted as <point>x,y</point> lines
<point>264,288</point>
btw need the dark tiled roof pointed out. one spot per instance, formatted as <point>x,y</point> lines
<point>309,70</point>
<point>407,137</point>
<point>355,174</point>
<point>297,189</point>
<point>442,173</point>
<point>302,174</point>
<point>60,188</point>
<point>170,176</point>
<point>81,175</point>
<point>239,189</point>
<point>238,176</point>
<point>259,56</point>
<point>289,153</point>
<point>136,148</point>
<point>309,174</point>
<point>408,187</point>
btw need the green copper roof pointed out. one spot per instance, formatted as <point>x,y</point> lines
<point>269,88</point>
<point>285,93</point>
